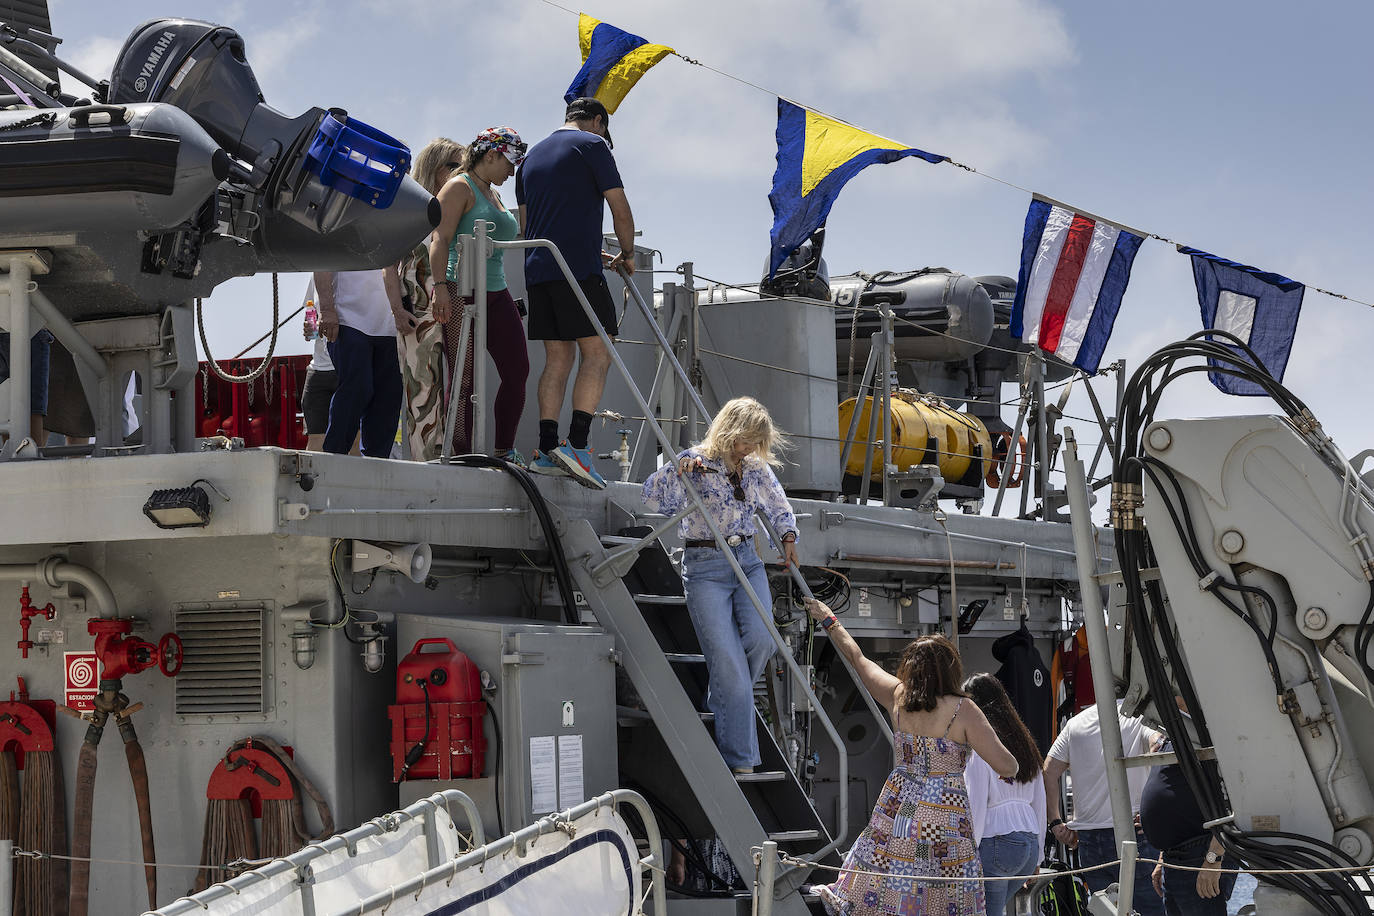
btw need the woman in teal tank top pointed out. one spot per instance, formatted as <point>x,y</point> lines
<point>466,197</point>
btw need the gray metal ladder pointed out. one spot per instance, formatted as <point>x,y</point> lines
<point>744,810</point>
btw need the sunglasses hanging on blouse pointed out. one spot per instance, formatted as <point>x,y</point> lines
<point>738,485</point>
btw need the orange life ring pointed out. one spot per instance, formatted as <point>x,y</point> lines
<point>1001,447</point>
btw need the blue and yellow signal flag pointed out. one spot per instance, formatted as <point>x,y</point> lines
<point>613,60</point>
<point>816,156</point>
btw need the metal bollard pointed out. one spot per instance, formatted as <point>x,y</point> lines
<point>1126,886</point>
<point>767,875</point>
<point>6,877</point>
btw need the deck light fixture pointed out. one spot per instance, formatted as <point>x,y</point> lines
<point>183,507</point>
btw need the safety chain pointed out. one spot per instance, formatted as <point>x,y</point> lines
<point>786,859</point>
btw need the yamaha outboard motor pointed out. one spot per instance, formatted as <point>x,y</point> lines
<point>330,192</point>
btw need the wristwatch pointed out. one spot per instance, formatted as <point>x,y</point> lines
<point>1211,858</point>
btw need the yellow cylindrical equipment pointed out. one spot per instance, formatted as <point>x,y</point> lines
<point>914,423</point>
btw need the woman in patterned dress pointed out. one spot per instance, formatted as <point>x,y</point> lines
<point>920,826</point>
<point>422,349</point>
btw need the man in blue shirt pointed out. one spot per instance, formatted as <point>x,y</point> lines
<point>561,188</point>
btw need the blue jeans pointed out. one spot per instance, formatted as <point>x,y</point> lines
<point>1098,846</point>
<point>40,352</point>
<point>1007,854</point>
<point>369,393</point>
<point>1180,887</point>
<point>734,640</point>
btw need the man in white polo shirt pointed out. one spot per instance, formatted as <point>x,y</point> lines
<point>360,314</point>
<point>1078,751</point>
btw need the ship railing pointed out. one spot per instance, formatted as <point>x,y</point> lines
<point>441,840</point>
<point>473,253</point>
<point>301,878</point>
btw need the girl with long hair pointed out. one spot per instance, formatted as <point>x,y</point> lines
<point>470,194</point>
<point>1008,812</point>
<point>732,469</point>
<point>921,826</point>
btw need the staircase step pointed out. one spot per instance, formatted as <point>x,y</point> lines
<point>794,836</point>
<point>615,540</point>
<point>761,776</point>
<point>686,658</point>
<point>679,600</point>
<point>631,713</point>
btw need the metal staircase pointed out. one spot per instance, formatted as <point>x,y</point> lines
<point>660,654</point>
<point>659,650</point>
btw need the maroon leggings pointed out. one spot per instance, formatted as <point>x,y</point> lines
<point>506,344</point>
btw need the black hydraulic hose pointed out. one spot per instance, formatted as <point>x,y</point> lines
<point>1334,894</point>
<point>562,572</point>
<point>691,853</point>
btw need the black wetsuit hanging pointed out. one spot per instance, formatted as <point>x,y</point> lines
<point>1027,680</point>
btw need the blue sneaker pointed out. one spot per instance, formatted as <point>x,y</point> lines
<point>577,462</point>
<point>540,464</point>
<point>513,456</point>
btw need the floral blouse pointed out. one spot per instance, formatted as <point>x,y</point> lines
<point>664,492</point>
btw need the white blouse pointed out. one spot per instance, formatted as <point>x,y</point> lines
<point>999,807</point>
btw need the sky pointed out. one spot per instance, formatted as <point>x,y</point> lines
<point>1238,128</point>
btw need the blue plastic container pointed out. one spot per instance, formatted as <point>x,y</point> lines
<point>358,160</point>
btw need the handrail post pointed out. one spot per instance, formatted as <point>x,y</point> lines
<point>693,353</point>
<point>765,879</point>
<point>6,877</point>
<point>467,252</point>
<point>479,441</point>
<point>1042,436</point>
<point>865,382</point>
<point>1126,882</point>
<point>18,290</point>
<point>1099,651</point>
<point>886,369</point>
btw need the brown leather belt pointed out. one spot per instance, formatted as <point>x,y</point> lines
<point>733,540</point>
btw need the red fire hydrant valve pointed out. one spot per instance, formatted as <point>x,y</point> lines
<point>27,611</point>
<point>121,654</point>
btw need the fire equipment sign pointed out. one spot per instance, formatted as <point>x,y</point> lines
<point>81,680</point>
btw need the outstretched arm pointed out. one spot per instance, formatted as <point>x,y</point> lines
<point>878,682</point>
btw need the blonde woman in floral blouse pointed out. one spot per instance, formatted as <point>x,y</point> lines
<point>732,469</point>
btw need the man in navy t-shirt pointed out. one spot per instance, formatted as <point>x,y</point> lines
<point>561,188</point>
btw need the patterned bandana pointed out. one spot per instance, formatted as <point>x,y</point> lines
<point>502,139</point>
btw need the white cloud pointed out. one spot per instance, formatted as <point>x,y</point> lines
<point>94,56</point>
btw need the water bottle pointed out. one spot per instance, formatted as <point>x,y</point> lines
<point>312,320</point>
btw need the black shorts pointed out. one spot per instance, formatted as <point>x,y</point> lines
<point>555,313</point>
<point>316,394</point>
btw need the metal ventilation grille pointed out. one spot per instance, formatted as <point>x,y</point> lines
<point>224,670</point>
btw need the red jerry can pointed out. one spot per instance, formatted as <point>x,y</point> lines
<point>438,701</point>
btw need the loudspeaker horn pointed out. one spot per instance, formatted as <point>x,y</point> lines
<point>411,559</point>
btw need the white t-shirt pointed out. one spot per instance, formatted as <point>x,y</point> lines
<point>319,360</point>
<point>998,807</point>
<point>1080,746</point>
<point>360,298</point>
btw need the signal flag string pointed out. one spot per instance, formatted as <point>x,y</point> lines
<point>968,168</point>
